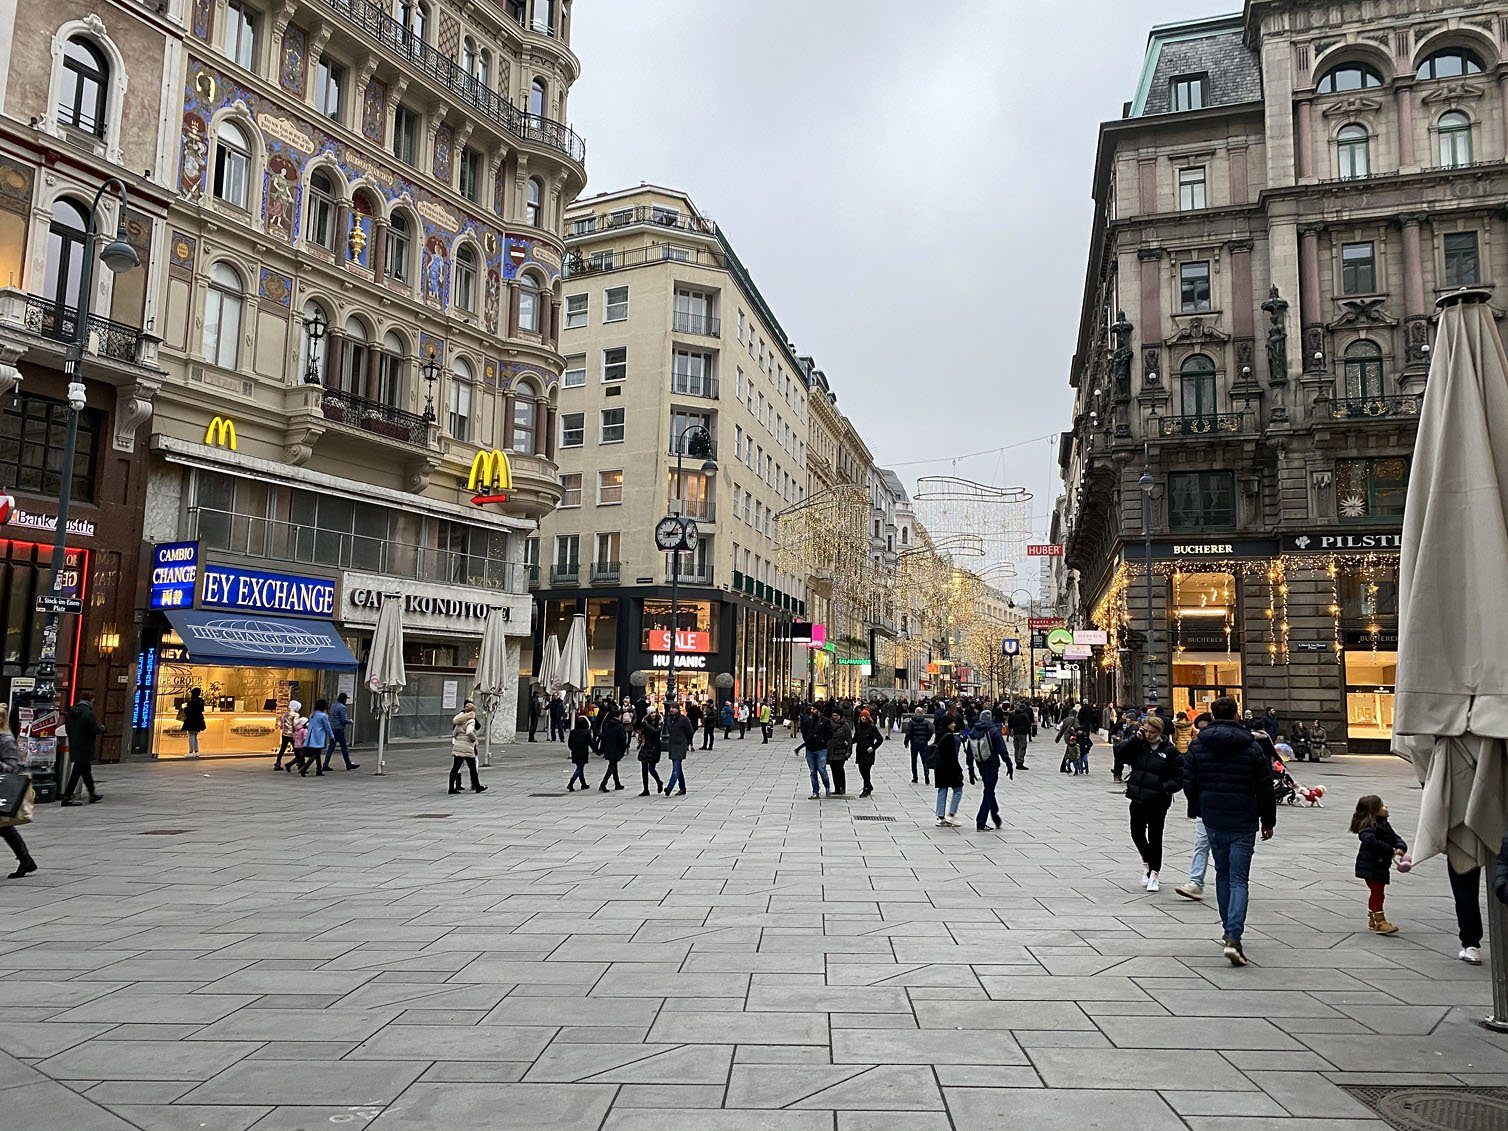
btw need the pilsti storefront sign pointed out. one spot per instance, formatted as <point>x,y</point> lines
<point>1342,541</point>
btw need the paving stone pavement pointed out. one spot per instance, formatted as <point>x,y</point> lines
<point>215,946</point>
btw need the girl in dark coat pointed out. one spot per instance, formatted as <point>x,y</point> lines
<point>1374,859</point>
<point>838,749</point>
<point>193,720</point>
<point>1155,775</point>
<point>649,752</point>
<point>867,740</point>
<point>947,773</point>
<point>581,743</point>
<point>614,744</point>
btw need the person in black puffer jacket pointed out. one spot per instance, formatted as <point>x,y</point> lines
<point>1228,780</point>
<point>1155,776</point>
<point>614,744</point>
<point>918,738</point>
<point>1374,859</point>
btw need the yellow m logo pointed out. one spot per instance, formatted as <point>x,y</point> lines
<point>221,433</point>
<point>490,471</point>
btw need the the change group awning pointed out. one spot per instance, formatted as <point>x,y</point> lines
<point>241,640</point>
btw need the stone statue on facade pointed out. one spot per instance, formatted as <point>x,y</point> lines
<point>1277,338</point>
<point>1120,360</point>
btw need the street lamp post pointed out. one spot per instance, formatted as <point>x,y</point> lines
<point>692,434</point>
<point>1031,640</point>
<point>1145,483</point>
<point>118,256</point>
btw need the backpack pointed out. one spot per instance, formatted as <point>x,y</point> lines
<point>978,749</point>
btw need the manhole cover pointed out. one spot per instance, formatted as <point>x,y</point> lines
<point>871,817</point>
<point>1436,1109</point>
<point>430,816</point>
<point>165,832</point>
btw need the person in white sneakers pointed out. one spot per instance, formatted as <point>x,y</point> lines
<point>1155,775</point>
<point>1199,863</point>
<point>947,773</point>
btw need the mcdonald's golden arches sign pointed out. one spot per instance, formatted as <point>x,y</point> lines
<point>491,477</point>
<point>221,433</point>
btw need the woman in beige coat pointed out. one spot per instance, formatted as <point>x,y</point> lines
<point>463,748</point>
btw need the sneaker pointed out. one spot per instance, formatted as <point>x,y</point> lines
<point>1152,884</point>
<point>1232,950</point>
<point>814,797</point>
<point>1190,890</point>
<point>1471,954</point>
<point>1146,877</point>
<point>943,822</point>
<point>951,822</point>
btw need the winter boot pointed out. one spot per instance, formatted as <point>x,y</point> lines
<point>1377,921</point>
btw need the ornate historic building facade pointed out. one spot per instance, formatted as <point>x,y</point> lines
<point>1276,211</point>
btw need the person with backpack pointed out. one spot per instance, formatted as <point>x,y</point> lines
<point>918,738</point>
<point>985,748</point>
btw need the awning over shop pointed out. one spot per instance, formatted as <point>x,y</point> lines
<point>261,641</point>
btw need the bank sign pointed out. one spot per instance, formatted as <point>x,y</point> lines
<point>175,572</point>
<point>249,590</point>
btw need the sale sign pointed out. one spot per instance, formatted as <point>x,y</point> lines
<point>685,641</point>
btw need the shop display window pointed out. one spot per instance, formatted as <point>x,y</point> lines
<point>242,706</point>
<point>1370,680</point>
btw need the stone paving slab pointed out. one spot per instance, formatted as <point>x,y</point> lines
<point>309,954</point>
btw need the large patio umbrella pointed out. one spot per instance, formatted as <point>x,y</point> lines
<point>548,674</point>
<point>1452,682</point>
<point>573,674</point>
<point>385,675</point>
<point>491,675</point>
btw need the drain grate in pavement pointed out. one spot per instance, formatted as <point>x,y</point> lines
<point>1436,1109</point>
<point>164,832</point>
<point>430,816</point>
<point>871,817</point>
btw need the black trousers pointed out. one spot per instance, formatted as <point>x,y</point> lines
<point>840,780</point>
<point>918,754</point>
<point>80,770</point>
<point>533,726</point>
<point>647,770</point>
<point>557,730</point>
<point>864,768</point>
<point>707,736</point>
<point>611,773</point>
<point>310,755</point>
<point>1147,819</point>
<point>284,747</point>
<point>456,765</point>
<point>1466,887</point>
<point>12,836</point>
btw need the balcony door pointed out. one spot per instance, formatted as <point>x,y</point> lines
<point>1196,387</point>
<point>65,254</point>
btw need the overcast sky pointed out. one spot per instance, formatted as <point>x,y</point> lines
<point>907,182</point>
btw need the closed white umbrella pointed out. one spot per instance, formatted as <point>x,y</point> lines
<point>491,675</point>
<point>385,675</point>
<point>549,666</point>
<point>574,674</point>
<point>1452,682</point>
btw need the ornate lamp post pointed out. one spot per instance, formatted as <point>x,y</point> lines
<point>1031,640</point>
<point>315,329</point>
<point>675,533</point>
<point>1146,484</point>
<point>430,371</point>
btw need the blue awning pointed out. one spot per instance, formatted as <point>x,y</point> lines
<point>238,640</point>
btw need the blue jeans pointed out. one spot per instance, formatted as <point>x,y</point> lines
<point>339,740</point>
<point>1199,865</point>
<point>677,775</point>
<point>578,775</point>
<point>1231,852</point>
<point>1081,765</point>
<point>816,762</point>
<point>989,772</point>
<point>942,802</point>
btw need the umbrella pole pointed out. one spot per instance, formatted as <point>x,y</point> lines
<point>381,739</point>
<point>1497,935</point>
<point>487,742</point>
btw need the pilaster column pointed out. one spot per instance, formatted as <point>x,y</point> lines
<point>1502,115</point>
<point>377,251</point>
<point>508,422</point>
<point>1150,313</point>
<point>541,435</point>
<point>1415,309</point>
<point>545,307</point>
<point>512,299</point>
<point>1304,140</point>
<point>342,231</point>
<point>554,306</point>
<point>1311,312</point>
<point>549,431</point>
<point>1404,98</point>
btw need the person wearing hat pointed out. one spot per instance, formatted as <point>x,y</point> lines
<point>463,748</point>
<point>288,726</point>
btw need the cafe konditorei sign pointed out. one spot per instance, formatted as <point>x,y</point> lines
<point>425,605</point>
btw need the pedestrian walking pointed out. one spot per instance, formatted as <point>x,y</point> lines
<point>709,727</point>
<point>947,774</point>
<point>463,748</point>
<point>918,738</point>
<point>816,733</point>
<point>1228,781</point>
<point>1153,776</point>
<point>985,747</point>
<point>681,735</point>
<point>13,761</point>
<point>316,736</point>
<point>536,706</point>
<point>557,710</point>
<point>288,725</point>
<point>193,720</point>
<point>580,743</point>
<point>867,740</point>
<point>766,722</point>
<point>743,718</point>
<point>1022,724</point>
<point>83,731</point>
<point>1183,732</point>
<point>1380,847</point>
<point>839,747</point>
<point>726,718</point>
<point>1199,861</point>
<point>340,722</point>
<point>649,752</point>
<point>614,744</point>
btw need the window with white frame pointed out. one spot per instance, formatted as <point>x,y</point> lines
<point>575,312</point>
<point>241,33</point>
<point>612,426</point>
<point>232,163</point>
<point>460,399</point>
<point>614,365</point>
<point>574,376</point>
<point>572,429</point>
<point>610,488</point>
<point>692,373</point>
<point>570,487</point>
<point>1191,188</point>
<point>525,424</point>
<point>615,304</point>
<point>223,302</point>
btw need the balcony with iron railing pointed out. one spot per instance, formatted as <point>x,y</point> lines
<point>54,322</point>
<point>704,325</point>
<point>568,573</point>
<point>606,573</point>
<point>685,385</point>
<point>531,571</point>
<point>291,543</point>
<point>378,25</point>
<point>650,214</point>
<point>690,573</point>
<point>1202,424</point>
<point>376,418</point>
<point>577,265</point>
<point>1403,406</point>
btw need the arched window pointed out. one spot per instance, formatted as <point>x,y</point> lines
<point>905,535</point>
<point>313,353</point>
<point>1455,139</point>
<point>1451,63</point>
<point>393,362</point>
<point>465,279</point>
<point>320,226</point>
<point>468,55</point>
<point>222,316</point>
<point>544,21</point>
<point>65,254</point>
<point>355,357</point>
<point>1196,386</point>
<point>1363,365</point>
<point>460,399</point>
<point>414,16</point>
<point>399,248</point>
<point>524,420</point>
<point>528,303</point>
<point>1354,151</point>
<point>81,102</point>
<point>534,207</point>
<point>1349,76</point>
<point>538,98</point>
<point>483,71</point>
<point>232,163</point>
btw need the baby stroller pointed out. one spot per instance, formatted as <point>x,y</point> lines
<point>1285,789</point>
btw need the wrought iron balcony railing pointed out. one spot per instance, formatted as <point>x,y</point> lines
<point>606,572</point>
<point>1376,408</point>
<point>566,574</point>
<point>374,417</point>
<point>704,324</point>
<point>641,214</point>
<point>1202,424</point>
<point>56,322</point>
<point>577,264</point>
<point>683,385</point>
<point>377,24</point>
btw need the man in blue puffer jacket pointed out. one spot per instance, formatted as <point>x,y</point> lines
<point>1228,780</point>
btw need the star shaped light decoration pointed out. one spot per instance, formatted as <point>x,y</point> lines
<point>1353,506</point>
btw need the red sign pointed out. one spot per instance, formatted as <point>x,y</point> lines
<point>484,498</point>
<point>1044,622</point>
<point>686,641</point>
<point>1046,550</point>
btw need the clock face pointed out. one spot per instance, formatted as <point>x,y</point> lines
<point>668,532</point>
<point>692,535</point>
